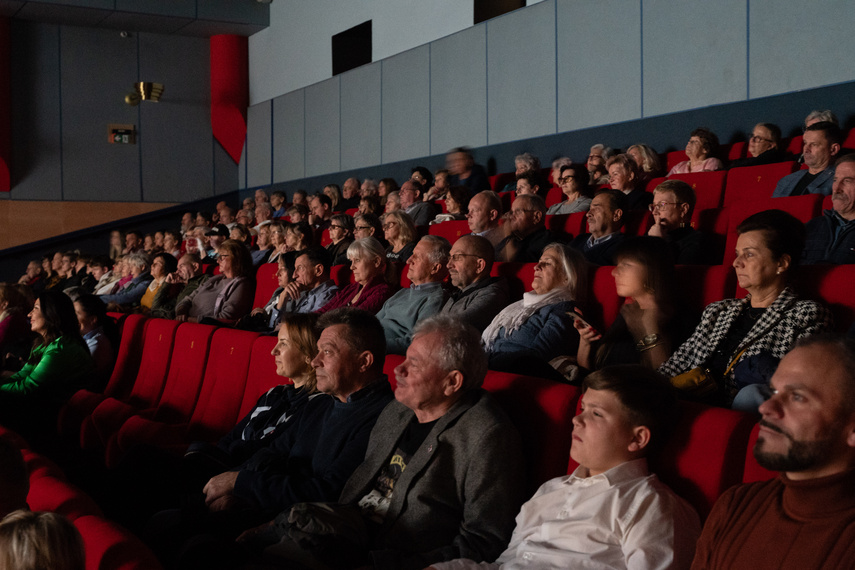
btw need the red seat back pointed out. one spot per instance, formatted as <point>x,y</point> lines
<point>748,183</point>
<point>450,230</point>
<point>519,276</point>
<point>604,300</point>
<point>735,151</point>
<point>499,181</point>
<point>261,375</point>
<point>266,282</point>
<point>59,496</point>
<point>554,196</point>
<point>224,384</point>
<point>569,224</point>
<point>831,285</point>
<point>674,158</point>
<point>341,275</point>
<point>802,207</point>
<point>702,284</point>
<point>794,145</point>
<point>128,357</point>
<point>186,368</point>
<point>109,546</point>
<point>708,187</point>
<point>154,364</point>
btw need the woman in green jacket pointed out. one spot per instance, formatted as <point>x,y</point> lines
<point>59,364</point>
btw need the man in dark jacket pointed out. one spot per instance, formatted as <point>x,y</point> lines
<point>831,237</point>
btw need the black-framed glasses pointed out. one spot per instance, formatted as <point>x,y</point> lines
<point>457,257</point>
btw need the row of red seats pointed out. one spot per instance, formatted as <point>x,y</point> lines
<point>108,546</point>
<point>709,453</point>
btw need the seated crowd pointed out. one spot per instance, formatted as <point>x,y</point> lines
<point>336,469</point>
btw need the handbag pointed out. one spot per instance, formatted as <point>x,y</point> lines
<point>699,382</point>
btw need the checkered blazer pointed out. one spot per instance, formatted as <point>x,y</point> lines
<point>782,324</point>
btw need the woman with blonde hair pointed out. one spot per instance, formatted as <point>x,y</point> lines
<point>40,541</point>
<point>647,160</point>
<point>370,288</point>
<point>400,232</point>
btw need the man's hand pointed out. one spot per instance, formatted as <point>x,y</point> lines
<point>251,533</point>
<point>292,291</point>
<point>227,503</point>
<point>219,486</point>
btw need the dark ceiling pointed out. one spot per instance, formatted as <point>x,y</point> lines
<point>202,18</point>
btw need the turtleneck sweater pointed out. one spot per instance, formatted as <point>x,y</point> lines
<point>782,524</point>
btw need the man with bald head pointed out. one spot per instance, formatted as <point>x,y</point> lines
<point>483,215</point>
<point>477,297</point>
<point>805,517</point>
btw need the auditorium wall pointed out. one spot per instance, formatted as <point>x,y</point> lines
<point>554,68</point>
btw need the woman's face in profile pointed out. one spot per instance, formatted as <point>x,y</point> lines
<point>630,277</point>
<point>38,324</point>
<point>548,273</point>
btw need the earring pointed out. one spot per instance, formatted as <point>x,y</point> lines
<point>779,272</point>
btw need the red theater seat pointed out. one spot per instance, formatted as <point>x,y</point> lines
<point>708,187</point>
<point>119,386</point>
<point>148,385</point>
<point>674,158</point>
<point>110,547</point>
<point>519,276</point>
<point>40,466</point>
<point>604,304</point>
<point>802,207</point>
<point>215,410</point>
<point>180,391</point>
<point>748,183</point>
<point>266,282</point>
<point>793,146</point>
<point>499,181</point>
<point>702,284</point>
<point>832,286</point>
<point>341,275</point>
<point>569,224</point>
<point>59,496</point>
<point>450,230</point>
<point>554,196</point>
<point>735,151</point>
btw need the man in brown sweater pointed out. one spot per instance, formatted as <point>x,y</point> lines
<point>805,518</point>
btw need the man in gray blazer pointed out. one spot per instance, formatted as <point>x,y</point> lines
<point>821,144</point>
<point>443,476</point>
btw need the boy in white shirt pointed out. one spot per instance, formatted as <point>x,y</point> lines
<point>610,513</point>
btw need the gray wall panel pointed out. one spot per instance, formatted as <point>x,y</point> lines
<point>695,54</point>
<point>230,11</point>
<point>323,127</point>
<point>98,69</point>
<point>406,105</point>
<point>801,46</point>
<point>458,90</point>
<point>585,23</point>
<point>36,152</point>
<point>521,73</point>
<point>175,133</point>
<point>289,143</point>
<point>225,170</point>
<point>360,117</point>
<point>258,151</point>
<point>102,4</point>
<point>242,168</point>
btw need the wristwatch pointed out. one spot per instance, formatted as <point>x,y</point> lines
<point>647,341</point>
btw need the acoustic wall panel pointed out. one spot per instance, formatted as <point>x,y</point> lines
<point>175,134</point>
<point>289,149</point>
<point>521,74</point>
<point>599,62</point>
<point>242,169</point>
<point>406,105</point>
<point>176,8</point>
<point>695,54</point>
<point>225,170</point>
<point>799,45</point>
<point>323,127</point>
<point>258,150</point>
<point>458,90</point>
<point>36,151</point>
<point>360,117</point>
<point>98,68</point>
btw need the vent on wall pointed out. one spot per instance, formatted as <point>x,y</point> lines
<point>486,9</point>
<point>351,48</point>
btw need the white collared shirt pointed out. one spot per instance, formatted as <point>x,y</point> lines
<point>623,518</point>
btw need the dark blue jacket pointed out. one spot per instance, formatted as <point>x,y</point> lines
<point>820,246</point>
<point>313,462</point>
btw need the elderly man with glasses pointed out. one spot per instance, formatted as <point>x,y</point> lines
<point>526,231</point>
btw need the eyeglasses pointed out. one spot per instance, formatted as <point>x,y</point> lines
<point>336,227</point>
<point>362,228</point>
<point>756,138</point>
<point>458,257</point>
<point>661,205</point>
<point>520,212</point>
<point>388,225</point>
<point>565,179</point>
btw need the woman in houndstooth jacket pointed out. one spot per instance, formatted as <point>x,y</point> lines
<point>771,318</point>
